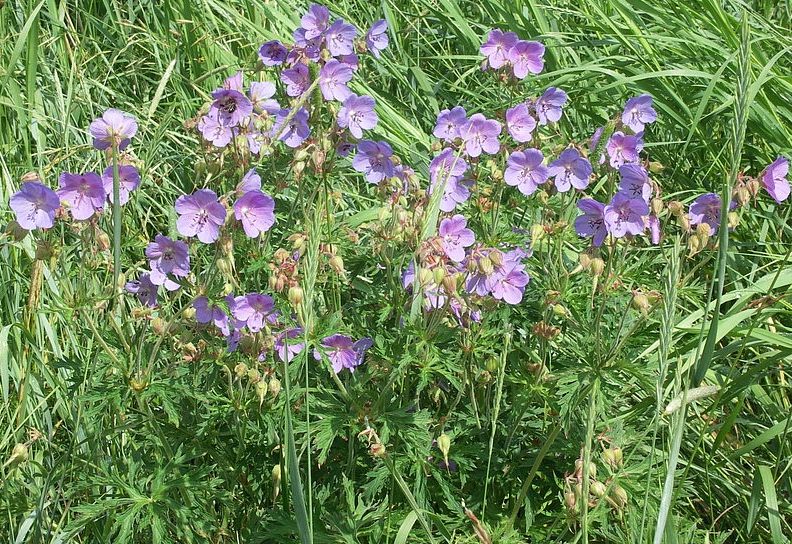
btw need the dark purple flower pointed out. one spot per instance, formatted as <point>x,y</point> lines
<point>340,37</point>
<point>114,127</point>
<point>343,352</point>
<point>706,209</point>
<point>570,170</point>
<point>774,179</point>
<point>520,123</point>
<point>549,105</point>
<point>297,79</point>
<point>480,134</point>
<point>333,78</point>
<point>592,222</point>
<point>251,181</point>
<point>167,256</point>
<point>455,237</point>
<point>232,106</point>
<point>128,181</point>
<point>34,205</point>
<point>623,149</point>
<point>526,57</point>
<point>315,21</point>
<point>525,170</point>
<point>201,215</point>
<point>297,129</point>
<point>624,215</point>
<point>82,194</point>
<point>256,210</point>
<point>497,47</point>
<point>357,114</point>
<point>377,38</point>
<point>635,182</point>
<point>144,289</point>
<point>449,122</point>
<point>374,160</point>
<point>447,165</point>
<point>204,313</point>
<point>304,48</point>
<point>253,309</point>
<point>261,93</point>
<point>287,351</point>
<point>638,111</point>
<point>273,53</point>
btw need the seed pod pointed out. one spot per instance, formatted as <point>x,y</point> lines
<point>613,457</point>
<point>337,264</point>
<point>597,266</point>
<point>619,496</point>
<point>598,489</point>
<point>274,387</point>
<point>657,206</point>
<point>585,260</point>
<point>240,370</point>
<point>676,208</point>
<point>261,390</point>
<point>496,256</point>
<point>733,220</point>
<point>295,295</point>
<point>438,274</point>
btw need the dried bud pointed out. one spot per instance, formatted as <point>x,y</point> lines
<point>337,264</point>
<point>676,208</point>
<point>140,312</point>
<point>436,146</point>
<point>377,450</point>
<point>694,245</point>
<point>619,496</point>
<point>295,295</point>
<point>570,500</point>
<point>655,167</point>
<point>496,256</point>
<point>450,283</point>
<point>226,243</point>
<point>753,186</point>
<point>703,231</point>
<point>598,489</point>
<point>274,387</point>
<point>641,302</point>
<point>684,222</point>
<point>318,158</point>
<point>159,326</point>
<point>742,195</point>
<point>656,206</point>
<point>585,260</point>
<point>485,265</point>
<point>597,266</point>
<point>733,220</point>
<point>298,168</point>
<point>240,370</point>
<point>276,481</point>
<point>30,176</point>
<point>261,390</point>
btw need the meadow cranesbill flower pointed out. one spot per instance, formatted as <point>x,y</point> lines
<point>340,37</point>
<point>251,181</point>
<point>273,53</point>
<point>456,192</point>
<point>297,79</point>
<point>706,209</point>
<point>525,170</point>
<point>285,349</point>
<point>357,114</point>
<point>84,194</point>
<point>256,210</point>
<point>234,83</point>
<point>145,290</point>
<point>374,160</point>
<point>204,313</point>
<point>447,165</point>
<point>114,127</point>
<point>34,205</point>
<point>449,122</point>
<point>455,237</point>
<point>128,181</point>
<point>350,60</point>
<point>635,182</point>
<point>526,57</point>
<point>570,170</point>
<point>480,134</point>
<point>167,256</point>
<point>623,148</point>
<point>624,215</point>
<point>343,352</point>
<point>508,282</point>
<point>344,148</point>
<point>774,179</point>
<point>261,93</point>
<point>253,309</point>
<point>592,222</point>
<point>304,49</point>
<point>316,21</point>
<point>638,111</point>
<point>333,78</point>
<point>232,106</point>
<point>549,105</point>
<point>497,46</point>
<point>520,123</point>
<point>214,130</point>
<point>377,38</point>
<point>201,215</point>
<point>297,129</point>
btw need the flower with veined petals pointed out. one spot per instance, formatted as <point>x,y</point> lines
<point>34,205</point>
<point>624,215</point>
<point>357,114</point>
<point>455,237</point>
<point>343,352</point>
<point>114,127</point>
<point>570,170</point>
<point>774,179</point>
<point>377,38</point>
<point>592,222</point>
<point>525,171</point>
<point>201,215</point>
<point>256,210</point>
<point>497,46</point>
<point>83,194</point>
<point>128,181</point>
<point>638,111</point>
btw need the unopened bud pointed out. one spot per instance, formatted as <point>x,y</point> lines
<point>276,481</point>
<point>261,390</point>
<point>559,310</point>
<point>301,154</point>
<point>30,176</point>
<point>656,167</point>
<point>492,365</point>
<point>676,208</point>
<point>598,489</point>
<point>733,220</point>
<point>450,283</point>
<point>436,146</point>
<point>684,222</point>
<point>641,302</point>
<point>223,265</point>
<point>189,313</point>
<point>438,274</point>
<point>496,256</point>
<point>425,277</point>
<point>656,206</point>
<point>694,245</point>
<point>537,232</point>
<point>570,500</point>
<point>295,295</point>
<point>159,326</point>
<point>274,387</point>
<point>703,231</point>
<point>597,266</point>
<point>19,454</point>
<point>485,266</point>
<point>337,264</point>
<point>240,370</point>
<point>619,496</point>
<point>585,260</point>
<point>377,450</point>
<point>613,456</point>
<point>497,174</point>
<point>298,167</point>
<point>742,195</point>
<point>444,445</point>
<point>753,187</point>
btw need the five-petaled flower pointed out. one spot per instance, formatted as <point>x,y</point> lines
<point>84,194</point>
<point>113,128</point>
<point>525,171</point>
<point>35,205</point>
<point>343,352</point>
<point>201,215</point>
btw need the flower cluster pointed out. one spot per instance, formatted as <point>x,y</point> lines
<point>505,50</point>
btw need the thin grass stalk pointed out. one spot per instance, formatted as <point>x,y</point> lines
<point>495,414</point>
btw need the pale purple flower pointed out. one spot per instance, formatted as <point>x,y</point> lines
<point>234,83</point>
<point>508,282</point>
<point>204,313</point>
<point>232,106</point>
<point>455,237</point>
<point>624,215</point>
<point>253,309</point>
<point>638,111</point>
<point>296,131</point>
<point>526,57</point>
<point>273,53</point>
<point>549,105</point>
<point>340,37</point>
<point>287,351</point>
<point>623,149</point>
<point>297,79</point>
<point>595,138</point>
<point>201,215</point>
<point>145,290</point>
<point>251,181</point>
<point>449,122</point>
<point>34,205</point>
<point>333,78</point>
<point>635,182</point>
<point>82,194</point>
<point>261,93</point>
<point>304,48</point>
<point>497,46</point>
<point>706,209</point>
<point>525,170</point>
<point>480,134</point>
<point>456,192</point>
<point>592,222</point>
<point>343,352</point>
<point>653,224</point>
<point>128,181</point>
<point>520,123</point>
<point>357,114</point>
<point>570,170</point>
<point>213,130</point>
<point>447,165</point>
<point>315,22</point>
<point>167,256</point>
<point>350,60</point>
<point>256,210</point>
<point>374,160</point>
<point>774,179</point>
<point>377,38</point>
<point>114,127</point>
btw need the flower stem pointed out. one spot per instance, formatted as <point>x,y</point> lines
<point>116,221</point>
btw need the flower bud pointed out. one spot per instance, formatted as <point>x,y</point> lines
<point>656,205</point>
<point>450,283</point>
<point>18,455</point>
<point>159,326</point>
<point>641,302</point>
<point>676,208</point>
<point>537,232</point>
<point>189,313</point>
<point>30,176</point>
<point>585,260</point>
<point>592,471</point>
<point>694,245</point>
<point>298,168</point>
<point>438,274</point>
<point>753,187</point>
<point>496,256</point>
<point>274,387</point>
<point>703,231</point>
<point>276,481</point>
<point>733,220</point>
<point>492,365</point>
<point>619,496</point>
<point>613,457</point>
<point>295,295</point>
<point>425,277</point>
<point>377,450</point>
<point>559,310</point>
<point>655,167</point>
<point>497,174</point>
<point>684,222</point>
<point>742,195</point>
<point>570,500</point>
<point>444,445</point>
<point>261,390</point>
<point>597,266</point>
<point>337,264</point>
<point>485,265</point>
<point>240,370</point>
<point>140,312</point>
<point>598,489</point>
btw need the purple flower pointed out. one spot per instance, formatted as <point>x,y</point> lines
<point>128,181</point>
<point>297,79</point>
<point>315,21</point>
<point>343,149</point>
<point>261,93</point>
<point>343,352</point>
<point>377,38</point>
<point>595,138</point>
<point>592,222</point>
<point>83,193</point>
<point>200,214</point>
<point>296,131</point>
<point>635,182</point>
<point>234,83</point>
<point>114,127</point>
<point>256,211</point>
<point>34,205</point>
<point>333,78</point>
<point>480,134</point>
<point>213,130</point>
<point>286,351</point>
<point>144,289</point>
<point>624,215</point>
<point>520,123</point>
<point>774,179</point>
<point>570,170</point>
<point>350,60</point>
<point>304,48</point>
<point>340,37</point>
<point>374,160</point>
<point>251,181</point>
<point>232,106</point>
<point>525,170</point>
<point>548,106</point>
<point>526,57</point>
<point>456,192</point>
<point>706,209</point>
<point>449,122</point>
<point>638,111</point>
<point>273,53</point>
<point>455,237</point>
<point>508,282</point>
<point>167,256</point>
<point>497,47</point>
<point>204,313</point>
<point>623,149</point>
<point>357,114</point>
<point>653,224</point>
<point>253,309</point>
<point>446,166</point>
